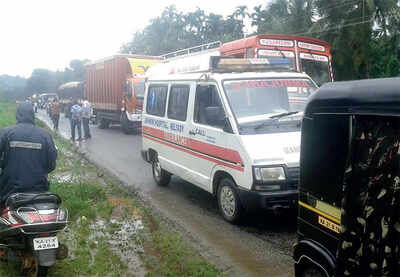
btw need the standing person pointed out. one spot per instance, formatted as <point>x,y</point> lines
<point>68,107</point>
<point>86,112</point>
<point>67,112</point>
<point>55,113</point>
<point>27,155</point>
<point>76,118</point>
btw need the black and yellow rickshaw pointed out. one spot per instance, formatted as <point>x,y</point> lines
<point>349,193</point>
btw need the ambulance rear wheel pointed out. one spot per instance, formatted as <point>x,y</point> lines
<point>228,201</point>
<point>161,176</point>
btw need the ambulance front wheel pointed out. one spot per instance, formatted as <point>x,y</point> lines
<point>161,176</point>
<point>228,201</point>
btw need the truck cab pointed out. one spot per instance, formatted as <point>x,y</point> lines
<point>132,103</point>
<point>115,87</point>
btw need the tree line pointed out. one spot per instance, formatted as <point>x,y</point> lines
<point>41,81</point>
<point>364,36</point>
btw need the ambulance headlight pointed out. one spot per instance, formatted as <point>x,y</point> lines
<point>269,174</point>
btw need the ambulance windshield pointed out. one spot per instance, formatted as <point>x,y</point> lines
<point>260,99</point>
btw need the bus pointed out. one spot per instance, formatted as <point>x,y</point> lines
<point>307,55</point>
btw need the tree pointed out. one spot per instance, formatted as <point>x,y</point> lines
<point>284,17</point>
<point>41,81</point>
<point>12,87</point>
<point>354,28</point>
<point>363,34</point>
<point>173,30</point>
<point>78,69</point>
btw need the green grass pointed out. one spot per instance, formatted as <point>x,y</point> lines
<point>7,114</point>
<point>89,195</point>
<point>178,259</point>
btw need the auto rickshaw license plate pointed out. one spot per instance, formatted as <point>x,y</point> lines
<point>329,224</point>
<point>45,243</point>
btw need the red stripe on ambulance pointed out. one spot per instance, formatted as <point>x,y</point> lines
<point>193,146</point>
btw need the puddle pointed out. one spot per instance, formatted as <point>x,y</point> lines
<point>123,237</point>
<point>63,177</point>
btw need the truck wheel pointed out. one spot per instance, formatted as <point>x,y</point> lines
<point>228,201</point>
<point>125,124</point>
<point>104,123</point>
<point>161,176</point>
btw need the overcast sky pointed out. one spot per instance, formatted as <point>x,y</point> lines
<point>50,33</point>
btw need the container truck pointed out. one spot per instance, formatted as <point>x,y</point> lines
<point>115,88</point>
<point>68,92</point>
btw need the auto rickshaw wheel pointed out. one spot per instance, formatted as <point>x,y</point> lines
<point>228,201</point>
<point>313,271</point>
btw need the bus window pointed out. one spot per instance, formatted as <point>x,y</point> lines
<point>316,66</point>
<point>278,57</point>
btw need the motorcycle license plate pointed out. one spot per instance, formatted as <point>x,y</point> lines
<point>45,243</point>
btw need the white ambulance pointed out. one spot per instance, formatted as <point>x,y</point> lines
<point>232,128</point>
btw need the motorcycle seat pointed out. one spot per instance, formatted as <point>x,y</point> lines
<point>18,200</point>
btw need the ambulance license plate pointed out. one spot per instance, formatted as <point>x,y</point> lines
<point>45,243</point>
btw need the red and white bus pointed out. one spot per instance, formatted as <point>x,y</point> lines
<point>306,54</point>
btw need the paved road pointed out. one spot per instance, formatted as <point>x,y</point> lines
<point>261,247</point>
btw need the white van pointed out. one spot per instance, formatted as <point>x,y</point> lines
<point>235,135</point>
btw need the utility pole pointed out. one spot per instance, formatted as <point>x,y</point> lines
<point>364,40</point>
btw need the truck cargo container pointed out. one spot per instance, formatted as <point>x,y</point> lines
<point>115,88</point>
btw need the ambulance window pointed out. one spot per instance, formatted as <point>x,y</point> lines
<point>178,101</point>
<point>156,99</point>
<point>208,109</point>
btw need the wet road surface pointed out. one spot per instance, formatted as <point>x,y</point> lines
<point>259,247</point>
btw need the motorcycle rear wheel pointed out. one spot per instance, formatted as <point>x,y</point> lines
<point>37,270</point>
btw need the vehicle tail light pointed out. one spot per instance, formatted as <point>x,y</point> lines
<point>39,216</point>
<point>30,217</point>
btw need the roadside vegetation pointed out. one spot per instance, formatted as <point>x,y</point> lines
<point>111,233</point>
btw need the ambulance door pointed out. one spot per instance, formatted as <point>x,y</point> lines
<point>207,140</point>
<point>176,133</point>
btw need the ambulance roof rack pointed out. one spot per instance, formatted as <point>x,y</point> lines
<point>222,64</point>
<point>193,50</point>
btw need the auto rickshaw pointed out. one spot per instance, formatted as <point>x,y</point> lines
<point>349,191</point>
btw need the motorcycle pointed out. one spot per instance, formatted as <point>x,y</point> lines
<point>29,224</point>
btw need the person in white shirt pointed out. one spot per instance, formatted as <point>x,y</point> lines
<point>86,112</point>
